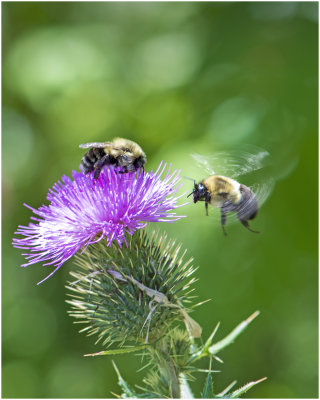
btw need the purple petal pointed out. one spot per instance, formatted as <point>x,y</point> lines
<point>83,211</point>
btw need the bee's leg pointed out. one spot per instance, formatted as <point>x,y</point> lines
<point>124,171</point>
<point>131,168</point>
<point>223,222</point>
<point>206,205</point>
<point>97,173</point>
<point>124,162</point>
<point>207,201</point>
<point>99,164</point>
<point>246,225</point>
<point>138,165</point>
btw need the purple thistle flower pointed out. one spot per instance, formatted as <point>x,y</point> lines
<point>83,211</point>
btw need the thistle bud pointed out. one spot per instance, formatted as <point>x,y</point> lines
<point>131,294</point>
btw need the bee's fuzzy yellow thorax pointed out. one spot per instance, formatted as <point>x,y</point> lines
<point>133,147</point>
<point>218,184</point>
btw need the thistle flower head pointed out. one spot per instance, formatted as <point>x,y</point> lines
<point>83,211</point>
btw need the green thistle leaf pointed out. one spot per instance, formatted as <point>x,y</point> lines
<point>207,392</point>
<point>123,350</point>
<point>237,393</point>
<point>128,392</point>
<point>229,339</point>
<point>224,393</point>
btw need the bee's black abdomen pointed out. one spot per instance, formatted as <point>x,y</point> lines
<point>254,214</point>
<point>249,205</point>
<point>90,158</point>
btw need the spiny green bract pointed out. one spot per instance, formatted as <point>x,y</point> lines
<point>133,293</point>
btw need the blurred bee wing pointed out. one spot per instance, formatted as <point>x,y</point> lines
<point>95,144</point>
<point>263,190</point>
<point>205,163</point>
<point>233,163</point>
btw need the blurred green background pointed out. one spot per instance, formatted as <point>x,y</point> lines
<point>177,78</point>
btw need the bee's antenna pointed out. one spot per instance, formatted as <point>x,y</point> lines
<point>194,182</point>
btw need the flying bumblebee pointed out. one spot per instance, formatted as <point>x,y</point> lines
<point>228,194</point>
<point>119,153</point>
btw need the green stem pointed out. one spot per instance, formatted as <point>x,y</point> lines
<point>168,369</point>
<point>170,374</point>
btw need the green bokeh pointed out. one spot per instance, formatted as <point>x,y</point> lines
<point>178,78</point>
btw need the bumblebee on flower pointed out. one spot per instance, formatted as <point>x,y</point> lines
<point>84,210</point>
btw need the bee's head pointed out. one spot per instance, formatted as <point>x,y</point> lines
<point>199,192</point>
